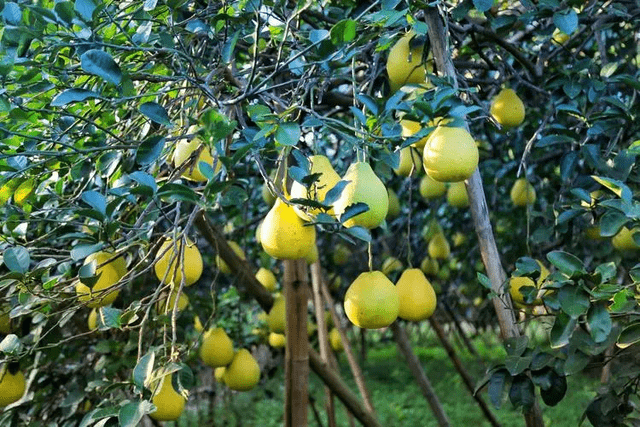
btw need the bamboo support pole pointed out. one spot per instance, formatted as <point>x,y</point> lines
<point>466,378</point>
<point>427,390</point>
<point>348,349</point>
<point>480,212</point>
<point>297,349</point>
<point>248,283</point>
<point>323,341</point>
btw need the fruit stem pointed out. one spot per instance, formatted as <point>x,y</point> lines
<point>370,257</point>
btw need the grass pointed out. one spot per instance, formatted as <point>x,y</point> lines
<point>396,396</point>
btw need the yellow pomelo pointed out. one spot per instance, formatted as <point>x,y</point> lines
<point>623,241</point>
<point>335,341</point>
<point>429,266</point>
<point>417,297</point>
<point>97,296</point>
<point>390,265</point>
<point>430,188</point>
<point>244,373</point>
<point>169,403</point>
<point>313,255</point>
<point>92,320</point>
<point>522,193</point>
<point>278,315</point>
<point>284,234</point>
<point>410,128</point>
<point>507,108</point>
<point>372,301</point>
<point>457,195</point>
<point>5,321</point>
<point>364,187</point>
<point>12,386</point>
<point>439,247</point>
<point>318,190</point>
<point>394,205</point>
<point>405,64</point>
<point>268,197</point>
<point>450,155</point>
<point>560,37</point>
<point>197,324</point>
<point>108,258</point>
<point>267,279</point>
<point>167,265</point>
<point>593,233</point>
<point>410,161</point>
<point>183,152</point>
<point>216,348</point>
<point>277,340</point>
<point>167,308</point>
<point>341,254</point>
<point>517,283</point>
<point>223,265</point>
<point>218,373</point>
<point>459,239</point>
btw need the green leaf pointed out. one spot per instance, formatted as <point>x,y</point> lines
<point>149,5</point>
<point>110,317</point>
<point>143,370</point>
<point>334,194</point>
<point>483,5</point>
<point>149,150</point>
<point>576,361</point>
<point>522,392</point>
<point>145,180</point>
<point>12,13</point>
<point>64,11</point>
<point>618,187</point>
<point>629,335</point>
<point>82,251</point>
<point>73,95</point>
<point>288,134</point>
<point>516,346</point>
<point>565,262</point>
<point>156,113</point>
<point>359,233</point>
<point>566,21</point>
<point>17,259</point>
<point>177,192</point>
<point>96,200</point>
<point>609,69</point>
<point>497,386</point>
<point>484,280</point>
<point>556,391</point>
<point>131,413</point>
<point>10,344</point>
<point>562,330</point>
<point>517,364</point>
<point>353,210</point>
<point>611,222</point>
<point>85,9</point>
<point>343,32</point>
<point>101,64</point>
<point>599,322</point>
<point>573,300</point>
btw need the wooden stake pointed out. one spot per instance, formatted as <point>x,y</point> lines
<point>480,212</point>
<point>296,354</point>
<point>248,282</point>
<point>466,378</point>
<point>323,341</point>
<point>404,345</point>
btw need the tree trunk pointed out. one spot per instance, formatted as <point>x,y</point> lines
<point>402,340</point>
<point>297,348</point>
<point>250,284</point>
<point>480,212</point>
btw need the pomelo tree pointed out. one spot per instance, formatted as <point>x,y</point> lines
<point>99,98</point>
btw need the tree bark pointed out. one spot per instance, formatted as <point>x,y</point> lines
<point>297,348</point>
<point>480,212</point>
<point>248,282</point>
<point>402,340</point>
<point>316,283</point>
<point>466,378</point>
